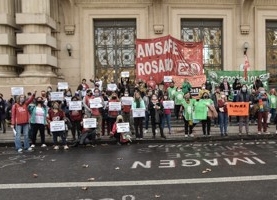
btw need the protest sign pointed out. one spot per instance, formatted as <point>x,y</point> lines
<point>89,122</point>
<point>127,100</point>
<point>168,104</point>
<point>122,127</point>
<point>114,106</point>
<point>57,126</point>
<point>17,91</point>
<point>238,108</point>
<point>57,96</point>
<point>138,112</point>
<point>75,105</point>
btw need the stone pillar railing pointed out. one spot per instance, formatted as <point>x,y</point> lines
<point>7,39</point>
<point>36,39</point>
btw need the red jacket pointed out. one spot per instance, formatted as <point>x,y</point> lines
<point>58,116</point>
<point>76,115</point>
<point>20,114</point>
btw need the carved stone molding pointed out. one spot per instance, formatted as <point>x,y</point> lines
<point>158,28</point>
<point>246,7</point>
<point>68,13</point>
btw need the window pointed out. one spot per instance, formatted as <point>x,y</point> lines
<point>210,33</point>
<point>114,42</point>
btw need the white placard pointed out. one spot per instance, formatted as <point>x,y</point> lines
<point>168,104</point>
<point>62,85</point>
<point>122,127</point>
<point>138,112</point>
<point>17,91</point>
<point>125,74</point>
<point>57,96</point>
<point>112,87</point>
<point>75,105</point>
<point>89,122</point>
<point>68,99</point>
<point>105,104</point>
<point>114,106</point>
<point>167,79</point>
<point>57,126</point>
<point>127,100</point>
<point>95,103</point>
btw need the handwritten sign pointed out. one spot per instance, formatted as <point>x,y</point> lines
<point>89,122</point>
<point>67,99</point>
<point>125,74</point>
<point>138,112</point>
<point>56,96</point>
<point>122,127</point>
<point>167,79</point>
<point>168,104</point>
<point>57,126</point>
<point>114,106</point>
<point>17,91</point>
<point>62,85</point>
<point>127,100</point>
<point>95,103</point>
<point>238,108</point>
<point>112,87</point>
<point>75,105</point>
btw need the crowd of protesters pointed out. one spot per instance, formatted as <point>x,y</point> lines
<point>33,113</point>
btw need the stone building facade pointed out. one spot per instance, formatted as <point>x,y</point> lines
<point>43,42</point>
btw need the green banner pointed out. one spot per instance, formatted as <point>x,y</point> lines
<point>216,77</point>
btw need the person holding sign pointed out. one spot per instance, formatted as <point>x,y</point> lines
<point>76,118</point>
<point>113,112</point>
<point>243,96</point>
<point>156,112</point>
<point>38,113</point>
<point>97,111</point>
<point>178,99</point>
<point>82,88</point>
<point>126,110</point>
<point>171,90</point>
<point>86,102</point>
<point>20,121</point>
<point>138,121</point>
<point>166,114</point>
<point>119,136</point>
<point>56,114</point>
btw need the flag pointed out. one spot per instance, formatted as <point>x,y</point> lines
<point>245,66</point>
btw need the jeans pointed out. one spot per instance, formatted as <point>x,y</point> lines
<point>76,127</point>
<point>35,128</point>
<point>166,118</point>
<point>223,122</point>
<point>138,127</point>
<point>245,120</point>
<point>146,119</point>
<point>273,114</point>
<point>19,129</point>
<point>206,126</point>
<point>61,134</point>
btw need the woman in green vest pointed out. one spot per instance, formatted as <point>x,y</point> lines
<point>178,99</point>
<point>273,103</point>
<point>188,106</point>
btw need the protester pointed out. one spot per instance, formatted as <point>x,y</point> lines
<point>146,100</point>
<point>151,84</point>
<point>112,114</point>
<point>178,99</point>
<point>156,112</point>
<point>120,137</point>
<point>273,103</point>
<point>126,113</point>
<point>38,113</point>
<point>243,96</point>
<point>2,114</point>
<point>223,114</point>
<point>208,86</point>
<point>263,110</point>
<point>20,122</point>
<point>225,87</point>
<point>215,97</point>
<point>56,114</point>
<point>138,121</point>
<point>203,90</point>
<point>166,115</point>
<point>82,88</point>
<point>206,123</point>
<point>253,106</point>
<point>86,102</point>
<point>236,88</point>
<point>75,117</point>
<point>188,108</point>
<point>105,114</point>
<point>257,84</point>
<point>171,90</point>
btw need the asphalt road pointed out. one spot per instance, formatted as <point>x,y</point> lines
<point>214,170</point>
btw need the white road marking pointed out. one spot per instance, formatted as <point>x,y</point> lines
<point>138,183</point>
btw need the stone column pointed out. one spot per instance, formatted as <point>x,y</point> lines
<point>7,39</point>
<point>36,39</point>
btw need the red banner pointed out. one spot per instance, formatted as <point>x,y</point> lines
<point>168,56</point>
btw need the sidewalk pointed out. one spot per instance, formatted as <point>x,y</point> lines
<point>177,135</point>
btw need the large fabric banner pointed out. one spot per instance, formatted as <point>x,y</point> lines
<point>216,77</point>
<point>168,56</point>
